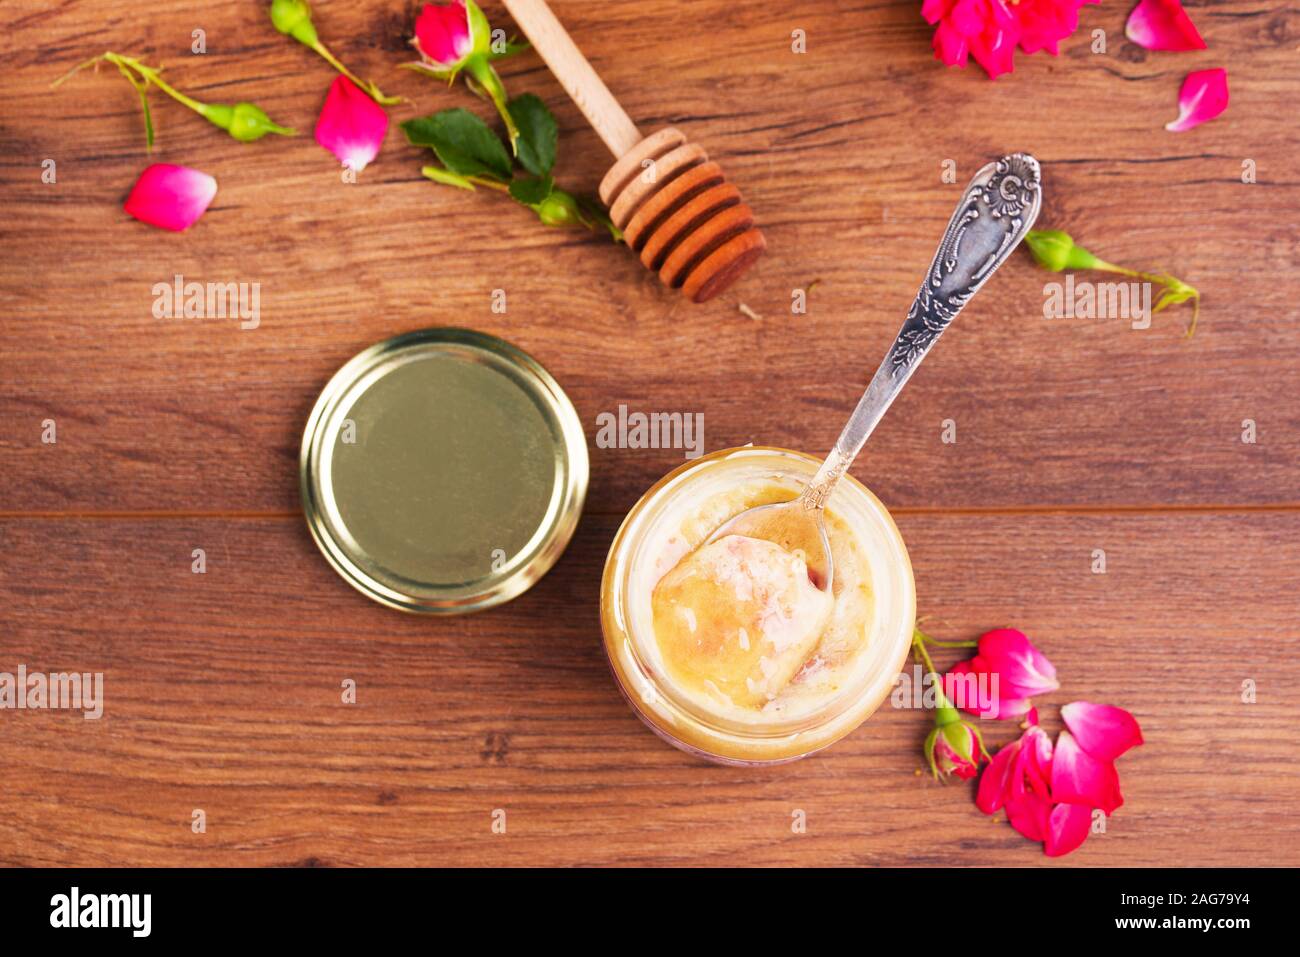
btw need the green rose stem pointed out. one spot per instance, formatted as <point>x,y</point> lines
<point>918,633</point>
<point>1056,250</point>
<point>293,18</point>
<point>448,178</point>
<point>558,208</point>
<point>484,81</point>
<point>243,121</point>
<point>945,714</point>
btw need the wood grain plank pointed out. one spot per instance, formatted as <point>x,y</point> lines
<point>835,148</point>
<point>223,693</point>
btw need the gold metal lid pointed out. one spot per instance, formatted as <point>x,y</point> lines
<point>443,471</point>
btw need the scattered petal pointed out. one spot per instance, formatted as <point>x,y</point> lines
<point>351,124</point>
<point>171,197</point>
<point>993,783</point>
<point>1027,802</point>
<point>1067,828</point>
<point>1037,748</point>
<point>1162,25</point>
<point>1079,778</point>
<point>1102,730</point>
<point>1203,97</point>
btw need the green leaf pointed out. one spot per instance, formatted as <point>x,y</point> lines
<point>464,143</point>
<point>539,134</point>
<point>439,175</point>
<point>530,192</point>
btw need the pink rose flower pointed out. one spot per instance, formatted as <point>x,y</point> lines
<point>442,33</point>
<point>170,197</point>
<point>1162,25</point>
<point>1044,23</point>
<point>1004,675</point>
<point>984,29</point>
<point>351,124</point>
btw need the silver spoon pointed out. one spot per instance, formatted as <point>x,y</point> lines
<point>996,210</point>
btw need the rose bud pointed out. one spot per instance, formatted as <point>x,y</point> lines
<point>244,121</point>
<point>442,35</point>
<point>456,36</point>
<point>953,748</point>
<point>1055,249</point>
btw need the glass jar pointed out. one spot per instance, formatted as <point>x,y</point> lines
<point>830,707</point>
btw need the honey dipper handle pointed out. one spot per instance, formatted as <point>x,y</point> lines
<point>575,74</point>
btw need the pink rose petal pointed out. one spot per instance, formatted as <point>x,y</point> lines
<point>1028,814</point>
<point>1027,801</point>
<point>170,197</point>
<point>991,794</point>
<point>1162,25</point>
<point>1044,23</point>
<point>984,29</point>
<point>1102,730</point>
<point>1203,97</point>
<point>1024,670</point>
<point>351,124</point>
<point>1021,671</point>
<point>967,686</point>
<point>1067,828</point>
<point>442,33</point>
<point>1038,759</point>
<point>950,46</point>
<point>1079,778</point>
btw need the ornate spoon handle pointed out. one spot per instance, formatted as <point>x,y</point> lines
<point>997,209</point>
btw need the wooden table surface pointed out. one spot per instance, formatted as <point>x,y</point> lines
<point>223,689</point>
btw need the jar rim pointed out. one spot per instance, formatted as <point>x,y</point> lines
<point>669,712</point>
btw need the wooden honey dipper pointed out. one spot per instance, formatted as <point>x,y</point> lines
<point>674,206</point>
